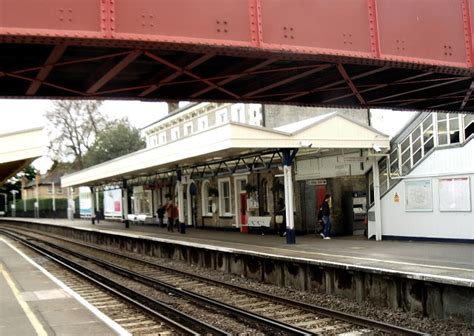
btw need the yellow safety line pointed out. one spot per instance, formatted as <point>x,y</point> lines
<point>29,313</point>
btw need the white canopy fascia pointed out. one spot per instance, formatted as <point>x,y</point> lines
<point>19,149</point>
<point>231,139</point>
<point>22,145</point>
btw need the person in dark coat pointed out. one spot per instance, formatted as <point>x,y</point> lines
<point>161,214</point>
<point>326,217</point>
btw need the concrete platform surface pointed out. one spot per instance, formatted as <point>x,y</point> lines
<point>442,262</point>
<point>33,302</point>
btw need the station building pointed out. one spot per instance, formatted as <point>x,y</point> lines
<point>233,165</point>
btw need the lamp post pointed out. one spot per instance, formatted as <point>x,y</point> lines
<point>53,199</point>
<point>14,192</point>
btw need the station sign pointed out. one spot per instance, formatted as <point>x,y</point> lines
<point>317,182</point>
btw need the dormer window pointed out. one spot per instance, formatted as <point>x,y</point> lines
<point>202,123</point>
<point>175,133</point>
<point>188,128</point>
<point>162,138</point>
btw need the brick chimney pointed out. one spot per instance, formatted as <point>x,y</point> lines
<point>172,106</point>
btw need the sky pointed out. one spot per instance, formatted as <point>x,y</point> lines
<point>22,114</point>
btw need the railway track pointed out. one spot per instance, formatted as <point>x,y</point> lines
<point>279,314</point>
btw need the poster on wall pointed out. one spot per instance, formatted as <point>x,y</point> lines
<point>418,195</point>
<point>85,205</point>
<point>113,203</point>
<point>454,194</point>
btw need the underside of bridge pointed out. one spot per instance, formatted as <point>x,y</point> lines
<point>399,54</point>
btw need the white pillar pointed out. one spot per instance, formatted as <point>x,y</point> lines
<point>180,201</point>
<point>97,199</point>
<point>377,205</point>
<point>54,197</point>
<point>125,202</point>
<point>70,202</point>
<point>288,180</point>
<point>93,202</point>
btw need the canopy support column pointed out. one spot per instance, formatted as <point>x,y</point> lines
<point>288,159</point>
<point>93,204</point>
<point>377,205</point>
<point>70,204</point>
<point>179,184</point>
<point>125,200</point>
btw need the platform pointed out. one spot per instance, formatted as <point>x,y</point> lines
<point>449,263</point>
<point>33,302</point>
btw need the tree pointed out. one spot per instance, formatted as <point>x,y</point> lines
<point>118,139</point>
<point>73,127</point>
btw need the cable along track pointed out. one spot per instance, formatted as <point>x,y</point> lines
<point>298,317</point>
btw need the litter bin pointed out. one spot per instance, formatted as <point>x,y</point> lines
<point>182,227</point>
<point>127,223</point>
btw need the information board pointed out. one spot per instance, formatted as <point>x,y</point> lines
<point>418,195</point>
<point>454,194</point>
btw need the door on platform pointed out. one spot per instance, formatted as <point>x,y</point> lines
<point>239,184</point>
<point>192,204</point>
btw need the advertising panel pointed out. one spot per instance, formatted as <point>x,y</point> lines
<point>85,205</point>
<point>113,203</point>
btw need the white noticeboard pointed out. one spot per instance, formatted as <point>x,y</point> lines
<point>418,195</point>
<point>454,194</point>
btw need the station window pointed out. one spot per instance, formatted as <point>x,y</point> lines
<point>428,134</point>
<point>255,114</point>
<point>237,111</point>
<point>175,133</point>
<point>468,125</point>
<point>442,129</point>
<point>188,128</point>
<point>206,200</point>
<point>202,123</point>
<point>224,197</point>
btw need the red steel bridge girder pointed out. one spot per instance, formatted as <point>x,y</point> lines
<point>435,32</point>
<point>403,54</point>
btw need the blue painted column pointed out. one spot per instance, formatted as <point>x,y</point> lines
<point>288,159</point>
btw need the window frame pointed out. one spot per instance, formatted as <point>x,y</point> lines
<point>205,199</point>
<point>222,197</point>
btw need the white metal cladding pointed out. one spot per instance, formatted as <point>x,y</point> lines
<point>442,163</point>
<point>334,131</point>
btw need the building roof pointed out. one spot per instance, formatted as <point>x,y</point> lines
<point>230,140</point>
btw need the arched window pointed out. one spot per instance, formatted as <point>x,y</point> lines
<point>206,199</point>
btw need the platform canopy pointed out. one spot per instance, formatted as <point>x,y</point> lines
<point>232,140</point>
<point>19,149</point>
<point>400,54</point>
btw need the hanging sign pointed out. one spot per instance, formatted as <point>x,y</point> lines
<point>317,182</point>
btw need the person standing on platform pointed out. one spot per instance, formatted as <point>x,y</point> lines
<point>280,218</point>
<point>161,214</point>
<point>326,217</point>
<point>170,212</point>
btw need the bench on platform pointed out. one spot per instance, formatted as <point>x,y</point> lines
<point>262,221</point>
<point>136,219</point>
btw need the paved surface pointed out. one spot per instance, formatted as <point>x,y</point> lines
<point>434,261</point>
<point>32,302</point>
